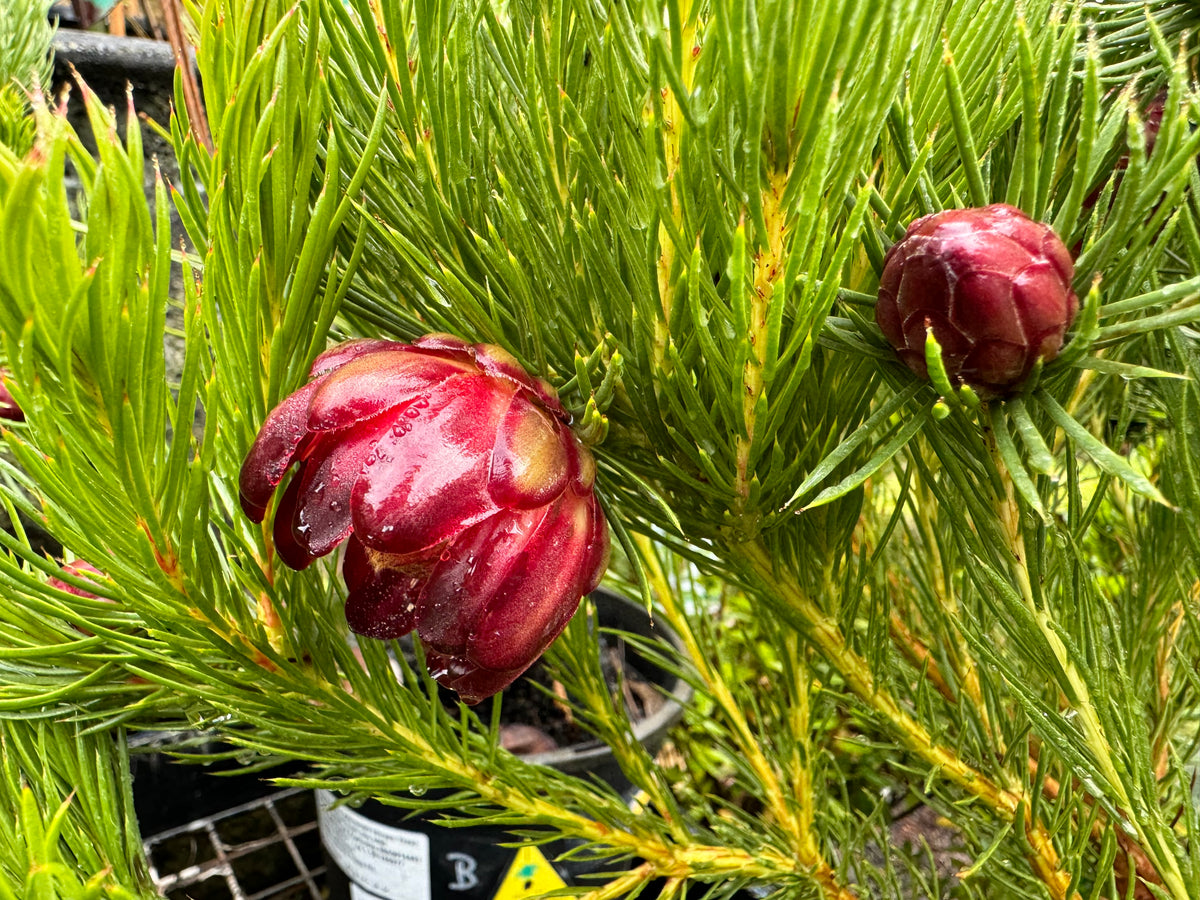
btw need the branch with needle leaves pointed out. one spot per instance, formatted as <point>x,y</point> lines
<point>1009,805</point>
<point>1073,681</point>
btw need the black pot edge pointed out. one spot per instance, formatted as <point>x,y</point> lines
<point>95,54</point>
<point>646,730</point>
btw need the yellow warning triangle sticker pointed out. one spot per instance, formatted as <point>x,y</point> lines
<point>529,876</point>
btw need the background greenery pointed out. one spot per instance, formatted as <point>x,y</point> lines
<point>676,213</point>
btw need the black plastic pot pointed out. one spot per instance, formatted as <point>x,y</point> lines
<point>377,851</point>
<point>105,59</point>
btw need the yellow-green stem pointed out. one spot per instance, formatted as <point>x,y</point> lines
<point>797,825</point>
<point>961,657</point>
<point>664,858</point>
<point>801,730</point>
<point>665,116</point>
<point>766,273</point>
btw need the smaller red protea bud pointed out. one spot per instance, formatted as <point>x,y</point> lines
<point>83,569</point>
<point>995,287</point>
<point>464,499</point>
<point>1153,120</point>
<point>8,406</point>
<point>1151,125</point>
<point>80,569</point>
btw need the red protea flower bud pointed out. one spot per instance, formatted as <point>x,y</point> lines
<point>994,285</point>
<point>1151,126</point>
<point>8,406</point>
<point>80,568</point>
<point>466,500</point>
<point>1152,121</point>
<point>83,569</point>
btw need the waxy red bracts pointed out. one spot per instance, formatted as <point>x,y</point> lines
<point>995,287</point>
<point>465,500</point>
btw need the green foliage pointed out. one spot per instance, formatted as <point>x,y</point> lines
<point>1127,34</point>
<point>25,64</point>
<point>25,36</point>
<point>71,831</point>
<point>17,129</point>
<point>886,589</point>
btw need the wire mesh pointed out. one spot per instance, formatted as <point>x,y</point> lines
<point>265,848</point>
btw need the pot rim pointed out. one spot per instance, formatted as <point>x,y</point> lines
<point>658,722</point>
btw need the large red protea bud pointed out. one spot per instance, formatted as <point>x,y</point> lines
<point>994,285</point>
<point>466,499</point>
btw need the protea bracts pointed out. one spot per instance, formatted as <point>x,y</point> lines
<point>464,498</point>
<point>992,284</point>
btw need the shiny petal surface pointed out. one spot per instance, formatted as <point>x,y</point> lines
<point>1059,257</point>
<point>461,587</point>
<point>1040,299</point>
<point>357,566</point>
<point>337,356</point>
<point>924,225</point>
<point>287,544</point>
<point>429,479</point>
<point>335,463</point>
<point>382,602</point>
<point>924,276</point>
<point>446,342</point>
<point>529,459</point>
<point>498,362</point>
<point>541,592</point>
<point>1014,224</point>
<point>597,550</point>
<point>273,451</point>
<point>985,308</point>
<point>1048,345</point>
<point>997,363</point>
<point>887,315</point>
<point>582,465</point>
<point>981,250</point>
<point>954,342</point>
<point>473,683</point>
<point>374,383</point>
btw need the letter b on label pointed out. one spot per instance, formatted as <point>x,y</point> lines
<point>464,871</point>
